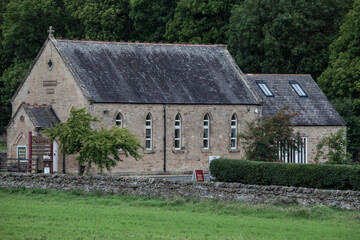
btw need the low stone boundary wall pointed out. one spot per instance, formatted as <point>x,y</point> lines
<point>165,188</point>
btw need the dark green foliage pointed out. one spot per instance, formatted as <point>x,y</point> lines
<point>200,21</point>
<point>284,36</point>
<point>342,177</point>
<point>150,18</point>
<point>342,77</point>
<point>346,108</point>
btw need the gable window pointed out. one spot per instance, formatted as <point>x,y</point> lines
<point>298,89</point>
<point>264,88</point>
<point>148,132</point>
<point>119,120</point>
<point>178,132</point>
<point>206,133</point>
<point>233,130</point>
<point>289,154</point>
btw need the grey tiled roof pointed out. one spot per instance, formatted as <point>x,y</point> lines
<point>314,110</point>
<point>156,73</point>
<point>44,116</point>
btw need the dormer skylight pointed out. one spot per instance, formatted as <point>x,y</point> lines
<point>298,89</point>
<point>264,88</point>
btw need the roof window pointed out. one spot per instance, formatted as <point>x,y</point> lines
<point>298,89</point>
<point>264,88</point>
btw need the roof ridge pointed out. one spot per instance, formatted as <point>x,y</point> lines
<point>276,74</point>
<point>142,43</point>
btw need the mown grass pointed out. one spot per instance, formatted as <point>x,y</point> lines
<point>45,214</point>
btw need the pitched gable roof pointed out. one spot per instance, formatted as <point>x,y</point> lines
<point>156,73</point>
<point>314,109</point>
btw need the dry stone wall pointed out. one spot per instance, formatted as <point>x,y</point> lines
<point>165,188</point>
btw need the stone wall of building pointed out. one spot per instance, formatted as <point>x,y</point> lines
<point>165,188</point>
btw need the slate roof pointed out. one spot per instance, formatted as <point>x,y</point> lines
<point>314,110</point>
<point>113,72</point>
<point>43,116</point>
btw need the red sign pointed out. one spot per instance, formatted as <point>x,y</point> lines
<point>199,174</point>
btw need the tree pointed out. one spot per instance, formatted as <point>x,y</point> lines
<point>99,147</point>
<point>266,133</point>
<point>150,18</point>
<point>102,20</point>
<point>200,21</point>
<point>336,146</point>
<point>346,108</point>
<point>284,36</point>
<point>342,77</point>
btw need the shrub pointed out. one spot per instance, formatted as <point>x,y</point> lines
<point>342,177</point>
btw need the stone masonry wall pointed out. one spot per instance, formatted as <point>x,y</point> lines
<point>165,188</point>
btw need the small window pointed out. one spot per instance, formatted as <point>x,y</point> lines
<point>298,89</point>
<point>233,130</point>
<point>264,88</point>
<point>206,132</point>
<point>148,132</point>
<point>178,132</point>
<point>119,120</point>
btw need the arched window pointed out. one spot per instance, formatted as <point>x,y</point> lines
<point>206,135</point>
<point>178,132</point>
<point>233,130</point>
<point>119,120</point>
<point>148,132</point>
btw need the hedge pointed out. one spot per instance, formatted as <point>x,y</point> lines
<point>342,177</point>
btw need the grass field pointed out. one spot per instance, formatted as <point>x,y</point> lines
<point>44,214</point>
<point>3,146</point>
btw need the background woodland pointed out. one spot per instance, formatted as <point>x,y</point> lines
<point>321,38</point>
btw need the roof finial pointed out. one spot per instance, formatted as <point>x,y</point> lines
<point>50,31</point>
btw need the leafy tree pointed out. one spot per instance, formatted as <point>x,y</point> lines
<point>264,134</point>
<point>284,36</point>
<point>99,147</point>
<point>102,20</point>
<point>342,77</point>
<point>150,18</point>
<point>336,146</point>
<point>346,108</point>
<point>200,21</point>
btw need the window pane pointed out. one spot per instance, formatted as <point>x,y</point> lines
<point>148,123</point>
<point>177,117</point>
<point>177,133</point>
<point>148,117</point>
<point>206,117</point>
<point>148,144</point>
<point>206,133</point>
<point>177,123</point>
<point>177,143</point>
<point>206,123</point>
<point>233,143</point>
<point>233,123</point>
<point>233,133</point>
<point>148,133</point>
<point>206,143</point>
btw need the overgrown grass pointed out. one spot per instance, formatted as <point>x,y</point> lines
<point>45,214</point>
<point>3,146</point>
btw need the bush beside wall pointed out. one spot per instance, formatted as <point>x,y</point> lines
<point>342,177</point>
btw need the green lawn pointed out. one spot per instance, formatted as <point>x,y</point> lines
<point>44,214</point>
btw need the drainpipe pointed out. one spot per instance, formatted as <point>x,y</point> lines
<point>30,151</point>
<point>63,163</point>
<point>164,137</point>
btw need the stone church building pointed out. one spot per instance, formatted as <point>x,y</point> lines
<point>185,102</point>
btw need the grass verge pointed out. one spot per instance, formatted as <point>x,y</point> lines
<point>45,214</point>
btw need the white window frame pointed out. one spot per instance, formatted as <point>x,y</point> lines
<point>206,127</point>
<point>291,155</point>
<point>177,128</point>
<point>119,119</point>
<point>233,126</point>
<point>148,126</point>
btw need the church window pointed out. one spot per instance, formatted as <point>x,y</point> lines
<point>233,130</point>
<point>119,120</point>
<point>206,132</point>
<point>178,132</point>
<point>148,132</point>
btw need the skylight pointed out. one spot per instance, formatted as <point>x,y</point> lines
<point>298,89</point>
<point>264,88</point>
